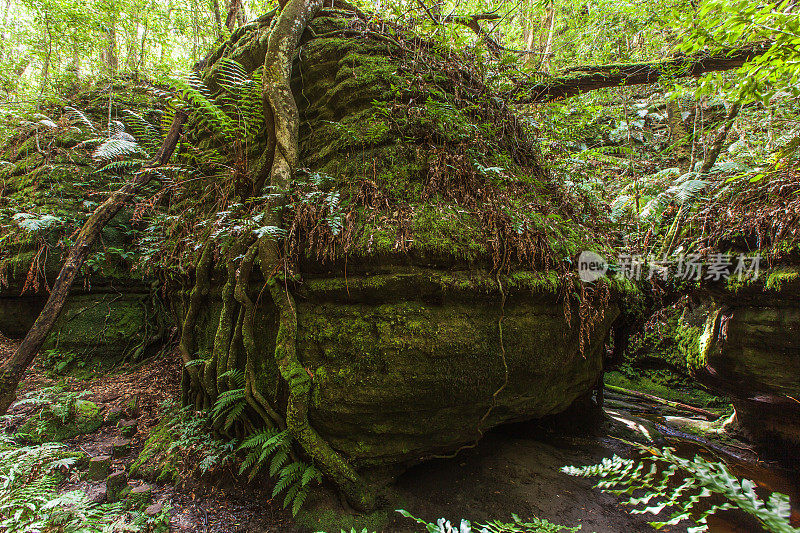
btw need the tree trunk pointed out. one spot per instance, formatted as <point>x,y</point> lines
<point>13,370</point>
<point>46,65</point>
<point>217,17</point>
<point>678,134</point>
<point>283,115</point>
<point>528,34</point>
<point>719,140</point>
<point>232,20</point>
<point>3,34</point>
<point>111,50</point>
<point>546,39</point>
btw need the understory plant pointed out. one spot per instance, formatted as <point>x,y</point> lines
<point>30,501</point>
<point>664,482</point>
<point>518,525</point>
<point>183,443</point>
<point>294,477</point>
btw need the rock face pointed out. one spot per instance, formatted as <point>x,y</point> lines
<point>406,361</point>
<point>751,346</point>
<point>49,187</point>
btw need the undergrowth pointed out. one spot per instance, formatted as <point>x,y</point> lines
<point>664,482</point>
<point>535,525</point>
<point>30,501</point>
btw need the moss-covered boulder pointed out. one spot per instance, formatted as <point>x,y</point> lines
<point>50,185</point>
<point>426,247</point>
<point>57,423</point>
<point>412,362</point>
<point>751,349</point>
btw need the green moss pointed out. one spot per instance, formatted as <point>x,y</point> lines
<point>445,231</point>
<point>333,521</point>
<point>104,323</point>
<point>779,277</point>
<point>688,338</point>
<point>51,425</point>
<point>667,385</point>
<point>154,462</point>
<point>672,342</point>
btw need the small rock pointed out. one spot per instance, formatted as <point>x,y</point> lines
<point>132,408</point>
<point>154,509</point>
<point>114,415</point>
<point>49,425</point>
<point>96,492</point>
<point>110,396</point>
<point>140,496</point>
<point>121,448</point>
<point>116,483</point>
<point>128,428</point>
<point>99,467</point>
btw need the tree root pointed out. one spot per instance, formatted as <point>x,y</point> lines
<point>187,344</point>
<point>235,332</point>
<point>299,380</point>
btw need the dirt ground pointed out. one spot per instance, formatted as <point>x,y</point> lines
<point>513,470</point>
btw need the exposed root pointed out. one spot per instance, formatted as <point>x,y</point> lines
<point>300,382</point>
<point>253,395</point>
<point>187,344</point>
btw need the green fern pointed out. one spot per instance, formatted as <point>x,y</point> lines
<point>76,115</point>
<point>228,402</point>
<point>648,482</point>
<point>518,526</point>
<point>112,149</point>
<point>294,478</point>
<point>145,133</point>
<point>29,479</point>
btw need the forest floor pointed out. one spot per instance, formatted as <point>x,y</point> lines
<point>515,469</point>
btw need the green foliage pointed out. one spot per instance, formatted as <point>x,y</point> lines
<point>721,24</point>
<point>231,403</point>
<point>35,223</point>
<point>294,477</point>
<point>30,501</point>
<point>60,361</point>
<point>182,443</point>
<point>517,526</point>
<point>63,415</point>
<point>664,482</point>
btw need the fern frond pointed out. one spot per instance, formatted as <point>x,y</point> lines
<point>308,474</point>
<point>299,500</point>
<point>128,166</point>
<point>226,401</point>
<point>704,479</point>
<point>291,492</point>
<point>233,415</point>
<point>76,115</point>
<point>278,461</point>
<point>116,148</point>
<point>236,377</point>
<point>205,111</point>
<point>145,133</point>
<point>259,438</point>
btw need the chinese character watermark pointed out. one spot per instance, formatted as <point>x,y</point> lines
<point>690,267</point>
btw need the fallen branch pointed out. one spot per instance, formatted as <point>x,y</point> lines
<point>590,78</point>
<point>670,403</point>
